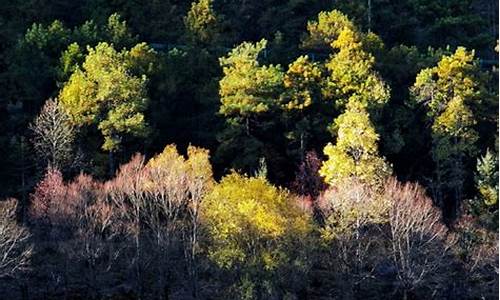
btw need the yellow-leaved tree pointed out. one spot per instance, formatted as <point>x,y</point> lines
<point>254,229</point>
<point>355,87</point>
<point>451,92</point>
<point>355,153</point>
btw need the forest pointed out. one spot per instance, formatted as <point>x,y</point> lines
<point>271,149</point>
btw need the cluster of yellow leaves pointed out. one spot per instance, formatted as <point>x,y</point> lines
<point>448,91</point>
<point>194,170</point>
<point>453,77</point>
<point>249,222</point>
<point>326,29</point>
<point>355,154</point>
<point>351,74</point>
<point>301,80</point>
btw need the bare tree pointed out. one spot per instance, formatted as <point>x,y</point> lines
<point>353,214</point>
<point>166,194</point>
<point>95,243</point>
<point>54,136</point>
<point>199,182</point>
<point>477,249</point>
<point>419,243</point>
<point>126,193</point>
<point>15,249</point>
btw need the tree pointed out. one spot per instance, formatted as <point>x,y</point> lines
<point>166,198</point>
<point>54,137</point>
<point>32,62</point>
<point>98,241</point>
<point>104,93</point>
<point>15,249</point>
<point>202,23</point>
<point>247,88</point>
<point>252,226</point>
<point>485,205</point>
<point>450,91</point>
<point>323,32</point>
<point>126,192</point>
<point>305,113</point>
<point>118,33</point>
<point>351,74</point>
<point>352,245</point>
<point>48,204</point>
<point>70,59</point>
<point>249,94</point>
<point>355,153</point>
<point>160,202</point>
<point>200,182</point>
<point>419,243</point>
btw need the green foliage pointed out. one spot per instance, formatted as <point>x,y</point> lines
<point>104,93</point>
<point>485,205</point>
<point>323,32</point>
<point>249,94</point>
<point>251,225</point>
<point>50,37</point>
<point>487,178</point>
<point>201,22</point>
<point>450,91</point>
<point>118,33</point>
<point>351,74</point>
<point>302,84</point>
<point>248,88</point>
<point>70,60</point>
<point>355,154</point>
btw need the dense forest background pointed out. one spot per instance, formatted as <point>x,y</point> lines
<point>267,149</point>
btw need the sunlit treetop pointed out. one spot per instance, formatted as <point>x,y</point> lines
<point>248,87</point>
<point>249,221</point>
<point>105,93</point>
<point>202,22</point>
<point>351,74</point>
<point>326,29</point>
<point>302,84</point>
<point>455,75</point>
<point>355,153</point>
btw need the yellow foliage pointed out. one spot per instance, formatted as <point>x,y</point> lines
<point>250,221</point>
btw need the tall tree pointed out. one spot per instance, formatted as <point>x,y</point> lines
<point>248,92</point>
<point>202,23</point>
<point>305,114</point>
<point>106,94</point>
<point>450,92</point>
<point>352,76</point>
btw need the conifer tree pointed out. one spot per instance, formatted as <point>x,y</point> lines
<point>202,23</point>
<point>449,91</point>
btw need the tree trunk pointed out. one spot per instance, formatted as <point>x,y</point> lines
<point>247,125</point>
<point>111,161</point>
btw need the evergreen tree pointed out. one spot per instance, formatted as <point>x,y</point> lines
<point>201,22</point>
<point>450,91</point>
<point>106,94</point>
<point>248,93</point>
